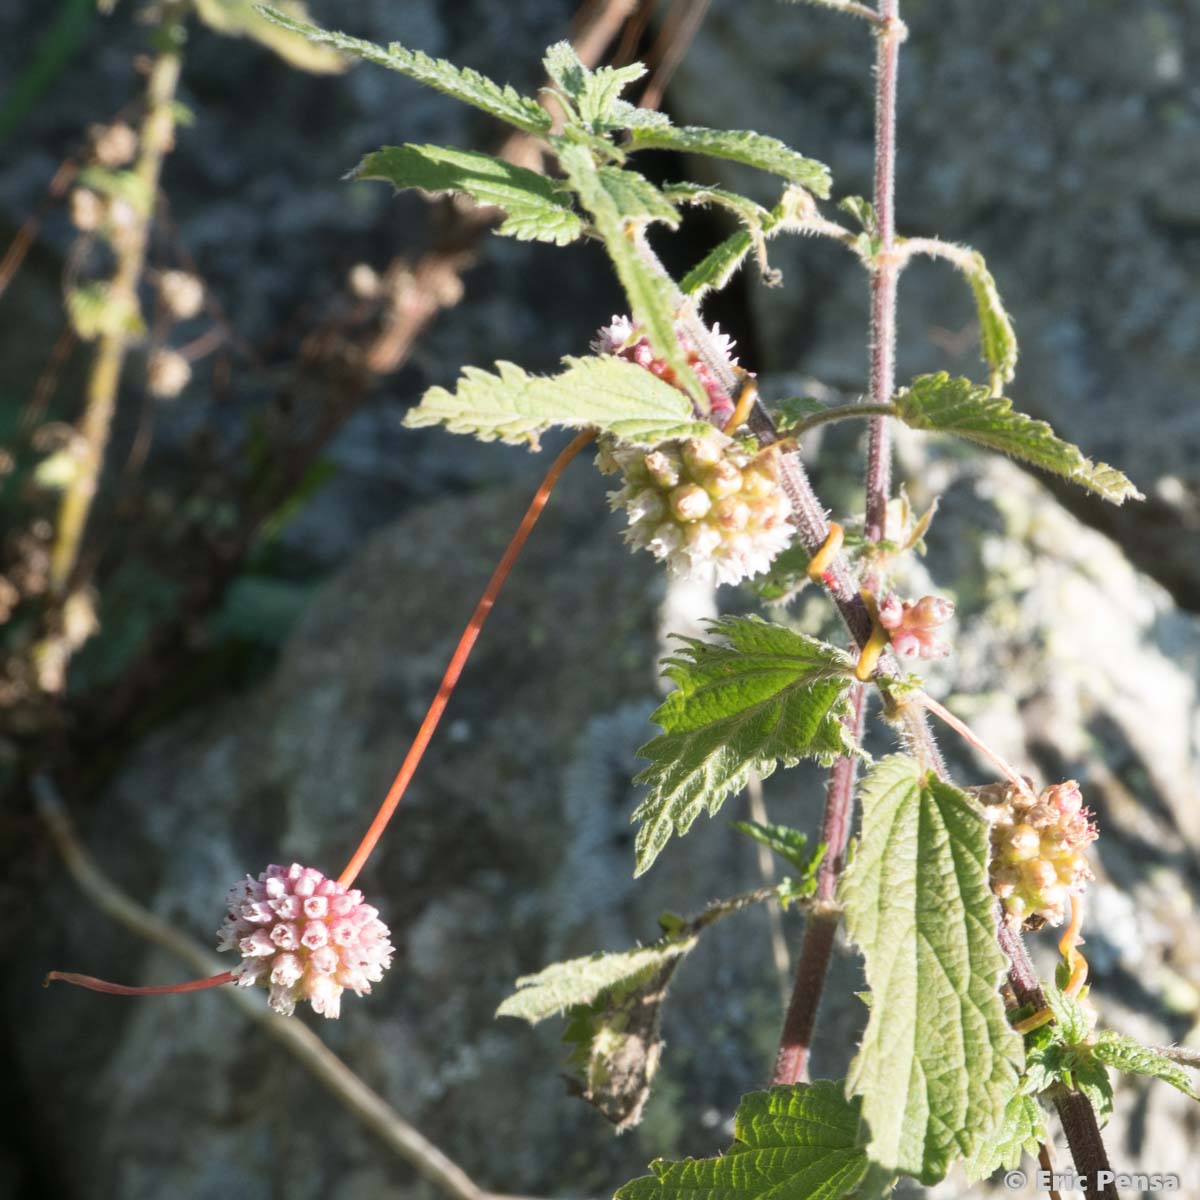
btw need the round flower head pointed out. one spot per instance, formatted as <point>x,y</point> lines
<point>1038,848</point>
<point>704,506</point>
<point>305,937</point>
<point>167,374</point>
<point>621,337</point>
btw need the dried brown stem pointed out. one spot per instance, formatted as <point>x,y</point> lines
<point>157,132</point>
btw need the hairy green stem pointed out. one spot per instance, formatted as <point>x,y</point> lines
<point>840,412</point>
<point>157,131</point>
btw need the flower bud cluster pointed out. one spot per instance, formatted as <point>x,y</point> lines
<point>305,937</point>
<point>620,337</point>
<point>705,506</point>
<point>913,625</point>
<point>167,374</point>
<point>1038,850</point>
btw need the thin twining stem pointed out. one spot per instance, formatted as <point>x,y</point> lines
<point>839,412</point>
<point>973,739</point>
<point>458,660</point>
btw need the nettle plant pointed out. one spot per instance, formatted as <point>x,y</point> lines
<point>964,1047</point>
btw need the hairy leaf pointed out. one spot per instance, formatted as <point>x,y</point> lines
<point>503,102</point>
<point>242,18</point>
<point>651,295</point>
<point>798,1143</point>
<point>593,94</point>
<point>1128,1055</point>
<point>997,338</point>
<point>718,266</point>
<point>614,1004</point>
<point>939,1060</point>
<point>749,212</point>
<point>944,405</point>
<point>514,407</point>
<point>1020,1133</point>
<point>560,986</point>
<point>535,206</point>
<point>636,198</point>
<point>764,696</point>
<point>790,844</point>
<point>752,149</point>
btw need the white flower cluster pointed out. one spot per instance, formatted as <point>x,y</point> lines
<point>704,506</point>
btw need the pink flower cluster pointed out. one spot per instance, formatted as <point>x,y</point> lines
<point>913,625</point>
<point>304,936</point>
<point>1038,850</point>
<point>620,337</point>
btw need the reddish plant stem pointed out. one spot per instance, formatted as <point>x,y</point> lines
<point>1074,1109</point>
<point>820,927</point>
<point>884,270</point>
<point>458,660</point>
<point>119,989</point>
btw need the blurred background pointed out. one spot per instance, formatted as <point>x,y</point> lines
<point>225,668</point>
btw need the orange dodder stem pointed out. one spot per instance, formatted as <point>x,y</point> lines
<point>459,659</point>
<point>119,989</point>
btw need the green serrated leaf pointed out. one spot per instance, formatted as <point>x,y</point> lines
<point>593,95</point>
<point>863,211</point>
<point>751,149</point>
<point>561,986</point>
<point>631,116</point>
<point>535,206</point>
<point>602,91</point>
<point>939,1059</point>
<point>243,18</point>
<point>790,844</point>
<point>997,338</point>
<point>748,212</point>
<point>1070,1021</point>
<point>1020,1132</point>
<point>614,1008</point>
<point>718,266</point>
<point>651,295</point>
<point>763,696</point>
<point>636,199</point>
<point>565,69</point>
<point>604,392</point>
<point>503,102</point>
<point>798,1143</point>
<point>1129,1055</point>
<point>943,405</point>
